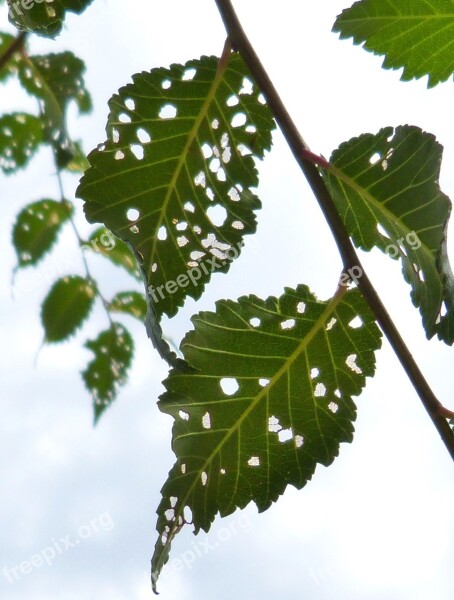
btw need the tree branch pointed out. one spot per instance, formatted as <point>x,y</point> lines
<point>16,46</point>
<point>350,260</point>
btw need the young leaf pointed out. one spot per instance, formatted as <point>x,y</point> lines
<point>66,307</point>
<point>43,18</point>
<point>113,350</point>
<point>20,136</point>
<point>272,398</point>
<point>56,80</point>
<point>131,303</point>
<point>106,243</point>
<point>416,35</point>
<point>36,229</point>
<point>386,189</point>
<point>174,177</point>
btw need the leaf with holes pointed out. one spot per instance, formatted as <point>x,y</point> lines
<point>36,229</point>
<point>5,42</point>
<point>66,307</point>
<point>386,189</point>
<point>20,136</point>
<point>56,80</point>
<point>106,243</point>
<point>113,350</point>
<point>272,398</point>
<point>174,178</point>
<point>130,303</point>
<point>416,35</point>
<point>43,17</point>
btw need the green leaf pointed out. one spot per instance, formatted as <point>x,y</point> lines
<point>113,350</point>
<point>66,307</point>
<point>56,80</point>
<point>386,189</point>
<point>106,243</point>
<point>20,136</point>
<point>272,398</point>
<point>174,177</point>
<point>36,229</point>
<point>131,303</point>
<point>5,41</point>
<point>43,17</point>
<point>414,34</point>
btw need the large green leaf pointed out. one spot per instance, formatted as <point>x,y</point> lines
<point>174,177</point>
<point>56,80</point>
<point>44,17</point>
<point>113,350</point>
<point>386,189</point>
<point>66,307</point>
<point>417,35</point>
<point>20,136</point>
<point>36,229</point>
<point>272,398</point>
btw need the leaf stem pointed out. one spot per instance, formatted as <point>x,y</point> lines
<point>16,46</point>
<point>306,160</point>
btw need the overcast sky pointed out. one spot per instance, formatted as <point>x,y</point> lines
<point>379,522</point>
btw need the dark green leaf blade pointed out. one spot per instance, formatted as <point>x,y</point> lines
<point>20,136</point>
<point>43,17</point>
<point>272,398</point>
<point>414,34</point>
<point>174,178</point>
<point>5,42</point>
<point>66,307</point>
<point>113,350</point>
<point>131,303</point>
<point>106,243</point>
<point>386,189</point>
<point>36,229</point>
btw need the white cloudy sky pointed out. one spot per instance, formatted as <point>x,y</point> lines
<point>379,522</point>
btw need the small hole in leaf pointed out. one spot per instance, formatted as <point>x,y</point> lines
<point>187,513</point>
<point>263,381</point>
<point>115,135</point>
<point>300,308</point>
<point>351,364</point>
<point>331,324</point>
<point>238,120</point>
<point>222,471</point>
<point>229,386</point>
<point>220,175</point>
<point>254,461</point>
<point>182,240</point>
<point>333,407</point>
<point>288,324</point>
<point>210,194</point>
<point>173,501</point>
<point>251,129</point>
<point>130,104</point>
<point>299,441</point>
<point>233,100</point>
<point>315,373</point>
<point>214,165</point>
<point>215,124</point>
<point>238,225</point>
<point>207,150</point>
<point>132,214</point>
<point>137,151</point>
<point>119,155</point>
<point>168,111</point>
<point>320,390</point>
<point>217,215</point>
<point>273,425</point>
<point>182,226</point>
<point>200,179</point>
<point>338,393</point>
<point>169,514</point>
<point>189,74</point>
<point>247,87</point>
<point>183,415</point>
<point>183,468</point>
<point>233,194</point>
<point>143,136</point>
<point>166,84</point>
<point>226,155</point>
<point>189,207</point>
<point>124,118</point>
<point>134,229</point>
<point>356,323</point>
<point>255,322</point>
<point>284,435</point>
<point>382,231</point>
<point>162,233</point>
<point>206,421</point>
<point>197,255</point>
<point>204,478</point>
<point>375,158</point>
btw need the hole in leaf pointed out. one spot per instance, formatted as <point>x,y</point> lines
<point>251,129</point>
<point>132,214</point>
<point>168,111</point>
<point>134,229</point>
<point>255,322</point>
<point>169,514</point>
<point>200,179</point>
<point>182,240</point>
<point>333,407</point>
<point>215,124</point>
<point>183,415</point>
<point>119,155</point>
<point>166,84</point>
<point>115,135</point>
<point>254,461</point>
<point>197,255</point>
<point>189,74</point>
<point>162,233</point>
<point>288,324</point>
<point>247,87</point>
<point>300,308</point>
<point>351,364</point>
<point>137,151</point>
<point>204,478</point>
<point>315,373</point>
<point>206,421</point>
<point>375,158</point>
<point>238,120</point>
<point>220,175</point>
<point>207,150</point>
<point>222,471</point>
<point>217,215</point>
<point>284,435</point>
<point>143,136</point>
<point>238,225</point>
<point>320,390</point>
<point>124,118</point>
<point>263,381</point>
<point>331,324</point>
<point>214,165</point>
<point>233,194</point>
<point>210,194</point>
<point>226,155</point>
<point>273,425</point>
<point>154,267</point>
<point>244,150</point>
<point>299,441</point>
<point>233,100</point>
<point>187,513</point>
<point>182,226</point>
<point>173,501</point>
<point>189,207</point>
<point>382,231</point>
<point>338,393</point>
<point>356,323</point>
<point>130,104</point>
<point>183,468</point>
<point>229,385</point>
<point>261,98</point>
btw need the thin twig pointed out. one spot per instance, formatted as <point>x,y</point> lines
<point>350,260</point>
<point>16,46</point>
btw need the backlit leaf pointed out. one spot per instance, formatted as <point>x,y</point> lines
<point>414,34</point>
<point>44,17</point>
<point>106,243</point>
<point>386,189</point>
<point>272,398</point>
<point>36,229</point>
<point>66,307</point>
<point>131,303</point>
<point>113,350</point>
<point>20,136</point>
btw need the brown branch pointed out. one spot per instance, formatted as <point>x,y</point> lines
<point>350,260</point>
<point>16,46</point>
